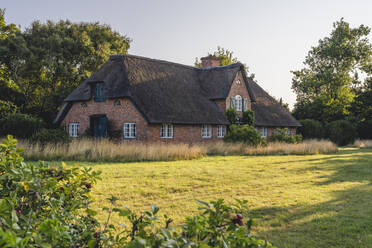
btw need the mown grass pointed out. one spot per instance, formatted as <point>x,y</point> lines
<point>108,151</point>
<point>304,201</point>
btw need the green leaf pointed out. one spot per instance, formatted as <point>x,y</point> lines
<point>154,209</point>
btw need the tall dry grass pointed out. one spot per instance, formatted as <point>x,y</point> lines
<point>363,143</point>
<point>108,151</point>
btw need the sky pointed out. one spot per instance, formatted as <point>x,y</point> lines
<point>271,37</point>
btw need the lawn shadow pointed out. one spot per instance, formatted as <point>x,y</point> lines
<point>344,221</point>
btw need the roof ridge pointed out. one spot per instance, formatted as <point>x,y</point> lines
<point>118,56</point>
<point>113,57</point>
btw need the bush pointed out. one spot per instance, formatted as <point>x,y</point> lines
<point>53,136</point>
<point>365,130</point>
<point>7,108</point>
<point>231,115</point>
<point>311,129</point>
<point>244,134</point>
<point>20,125</point>
<point>282,135</point>
<point>341,132</point>
<point>248,117</point>
<point>49,206</point>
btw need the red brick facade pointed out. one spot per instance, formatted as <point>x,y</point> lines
<point>117,115</point>
<point>120,111</point>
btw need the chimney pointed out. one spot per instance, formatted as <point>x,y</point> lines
<point>210,61</point>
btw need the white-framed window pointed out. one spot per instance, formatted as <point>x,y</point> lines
<point>166,131</point>
<point>263,132</point>
<point>238,103</point>
<point>73,129</point>
<point>206,131</point>
<point>129,130</point>
<point>238,81</point>
<point>221,131</point>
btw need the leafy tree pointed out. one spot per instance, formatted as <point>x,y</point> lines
<point>226,58</point>
<point>7,108</point>
<point>47,61</point>
<point>7,91</point>
<point>325,88</point>
<point>361,107</point>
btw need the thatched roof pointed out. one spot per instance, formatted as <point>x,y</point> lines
<point>166,92</point>
<point>268,112</point>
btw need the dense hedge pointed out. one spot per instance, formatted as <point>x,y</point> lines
<point>311,129</point>
<point>52,136</point>
<point>283,135</point>
<point>244,134</point>
<point>20,125</point>
<point>341,132</point>
<point>43,205</point>
<point>365,130</point>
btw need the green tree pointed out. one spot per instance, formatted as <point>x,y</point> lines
<point>7,90</point>
<point>226,58</point>
<point>47,61</point>
<point>333,70</point>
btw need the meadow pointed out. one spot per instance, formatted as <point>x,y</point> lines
<point>318,200</point>
<point>90,150</point>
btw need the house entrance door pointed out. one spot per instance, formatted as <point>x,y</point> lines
<point>99,126</point>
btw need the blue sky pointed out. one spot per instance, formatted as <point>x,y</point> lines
<point>271,37</point>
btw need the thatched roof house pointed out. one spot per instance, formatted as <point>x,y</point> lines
<point>156,92</point>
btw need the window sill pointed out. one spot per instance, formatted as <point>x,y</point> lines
<point>166,137</point>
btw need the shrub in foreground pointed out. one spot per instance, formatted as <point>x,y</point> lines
<point>341,132</point>
<point>311,129</point>
<point>51,136</point>
<point>244,134</point>
<point>283,135</point>
<point>20,125</point>
<point>49,206</point>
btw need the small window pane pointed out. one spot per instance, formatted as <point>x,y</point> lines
<point>73,129</point>
<point>129,130</point>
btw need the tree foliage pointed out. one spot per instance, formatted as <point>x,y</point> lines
<point>341,132</point>
<point>226,58</point>
<point>248,117</point>
<point>48,60</point>
<point>325,88</point>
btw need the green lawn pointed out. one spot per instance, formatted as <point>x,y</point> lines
<point>304,201</point>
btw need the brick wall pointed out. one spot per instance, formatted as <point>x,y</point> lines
<point>116,115</point>
<point>127,112</point>
<point>238,89</point>
<point>181,134</point>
